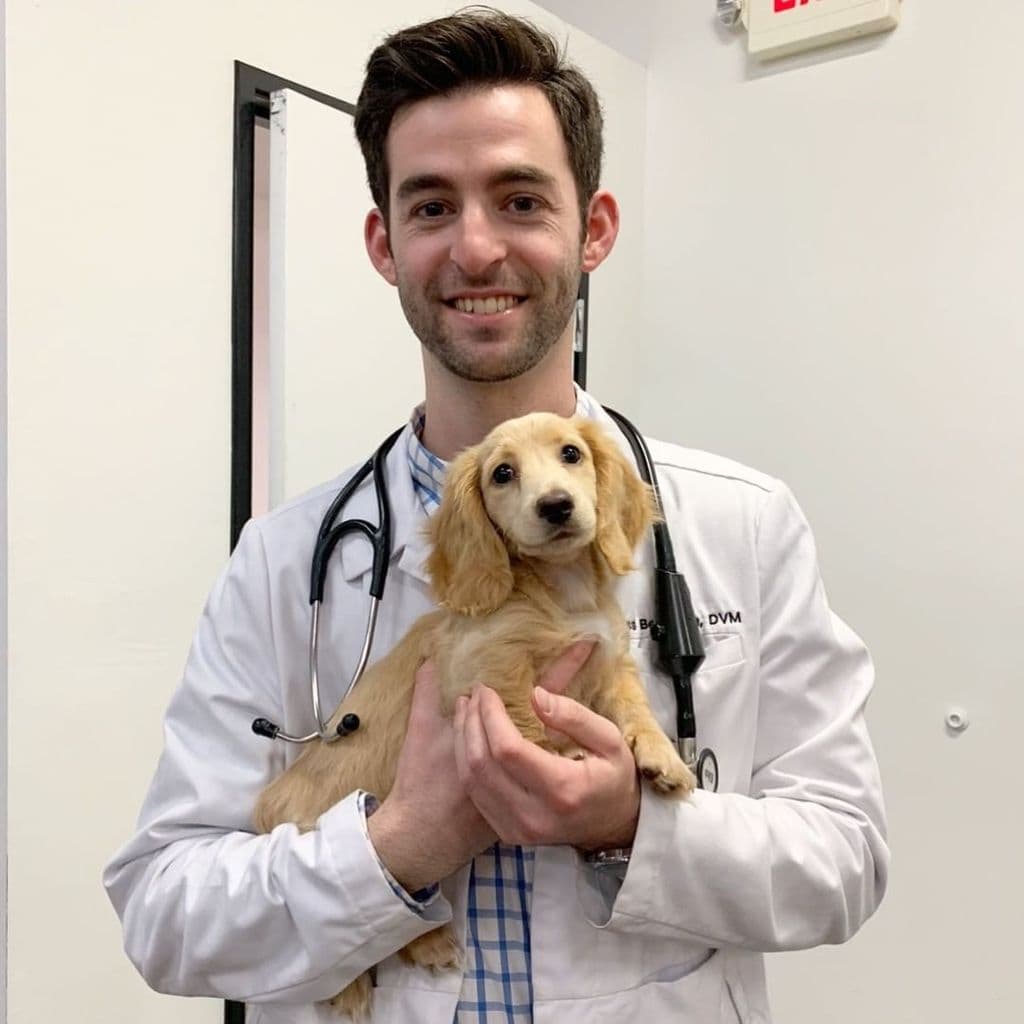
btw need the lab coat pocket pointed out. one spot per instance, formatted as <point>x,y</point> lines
<point>724,662</point>
<point>683,992</point>
<point>725,701</point>
<point>721,650</point>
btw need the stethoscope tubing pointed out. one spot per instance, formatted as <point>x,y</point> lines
<point>676,631</point>
<point>327,539</point>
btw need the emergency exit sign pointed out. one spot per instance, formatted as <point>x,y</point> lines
<point>778,28</point>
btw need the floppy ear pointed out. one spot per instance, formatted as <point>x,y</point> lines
<point>469,563</point>
<point>626,506</point>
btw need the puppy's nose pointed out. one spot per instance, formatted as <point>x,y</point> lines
<point>555,507</point>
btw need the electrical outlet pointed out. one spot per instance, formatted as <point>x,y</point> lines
<point>778,28</point>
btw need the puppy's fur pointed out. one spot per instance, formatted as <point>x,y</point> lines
<point>535,524</point>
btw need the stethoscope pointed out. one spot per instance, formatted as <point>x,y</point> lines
<point>675,629</point>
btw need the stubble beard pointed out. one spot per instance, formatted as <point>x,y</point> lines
<point>553,303</point>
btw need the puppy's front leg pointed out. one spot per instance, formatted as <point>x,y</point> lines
<point>656,756</point>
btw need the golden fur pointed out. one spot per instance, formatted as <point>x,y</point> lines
<point>516,589</point>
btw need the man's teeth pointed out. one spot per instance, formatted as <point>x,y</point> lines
<point>492,304</point>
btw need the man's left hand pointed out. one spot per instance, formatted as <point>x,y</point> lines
<point>536,798</point>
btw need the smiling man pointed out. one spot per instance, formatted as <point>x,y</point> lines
<point>484,236</point>
<point>576,893</point>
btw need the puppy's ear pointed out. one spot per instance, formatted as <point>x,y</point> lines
<point>469,564</point>
<point>626,506</point>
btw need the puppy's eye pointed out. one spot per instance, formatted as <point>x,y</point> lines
<point>503,474</point>
<point>570,453</point>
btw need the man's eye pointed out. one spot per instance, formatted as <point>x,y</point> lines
<point>503,474</point>
<point>570,453</point>
<point>431,210</point>
<point>524,204</point>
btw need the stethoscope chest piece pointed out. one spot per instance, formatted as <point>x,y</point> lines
<point>707,770</point>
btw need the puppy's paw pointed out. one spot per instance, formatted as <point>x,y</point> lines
<point>437,950</point>
<point>354,1000</point>
<point>660,763</point>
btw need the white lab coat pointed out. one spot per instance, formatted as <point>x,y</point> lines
<point>789,853</point>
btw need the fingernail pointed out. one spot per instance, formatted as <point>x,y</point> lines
<point>543,700</point>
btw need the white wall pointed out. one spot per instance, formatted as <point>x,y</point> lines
<point>828,259</point>
<point>119,120</point>
<point>3,514</point>
<point>631,34</point>
<point>832,285</point>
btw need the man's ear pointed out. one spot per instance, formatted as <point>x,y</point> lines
<point>378,246</point>
<point>602,229</point>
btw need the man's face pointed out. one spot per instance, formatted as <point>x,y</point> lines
<point>484,235</point>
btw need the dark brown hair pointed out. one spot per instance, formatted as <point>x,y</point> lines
<point>473,48</point>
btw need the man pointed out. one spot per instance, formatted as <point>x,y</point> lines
<point>483,154</point>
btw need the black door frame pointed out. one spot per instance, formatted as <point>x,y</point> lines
<point>253,87</point>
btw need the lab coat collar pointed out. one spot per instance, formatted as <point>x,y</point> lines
<point>596,412</point>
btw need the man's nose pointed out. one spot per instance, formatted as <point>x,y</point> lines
<point>478,242</point>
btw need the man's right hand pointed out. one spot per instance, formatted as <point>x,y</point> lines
<point>427,827</point>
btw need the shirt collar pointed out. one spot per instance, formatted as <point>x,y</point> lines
<point>426,468</point>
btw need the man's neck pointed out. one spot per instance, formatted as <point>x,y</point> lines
<point>461,413</point>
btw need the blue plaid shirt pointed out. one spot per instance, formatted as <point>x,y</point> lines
<point>497,987</point>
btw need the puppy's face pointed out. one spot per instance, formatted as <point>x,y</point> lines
<point>539,486</point>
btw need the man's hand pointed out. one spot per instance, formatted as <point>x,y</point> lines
<point>533,797</point>
<point>427,828</point>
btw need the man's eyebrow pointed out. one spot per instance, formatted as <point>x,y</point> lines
<point>524,174</point>
<point>517,174</point>
<point>417,183</point>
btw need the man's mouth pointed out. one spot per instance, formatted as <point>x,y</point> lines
<point>485,307</point>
